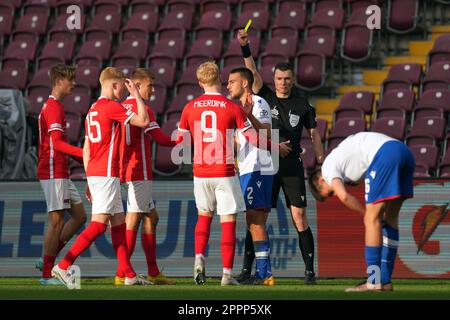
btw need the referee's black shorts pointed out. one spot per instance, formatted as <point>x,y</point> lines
<point>291,178</point>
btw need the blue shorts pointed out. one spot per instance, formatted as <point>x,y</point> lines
<point>257,190</point>
<point>390,175</point>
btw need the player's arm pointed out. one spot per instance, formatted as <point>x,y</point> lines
<point>141,119</point>
<point>86,158</point>
<point>161,138</point>
<point>317,144</point>
<point>346,198</point>
<point>62,146</point>
<point>242,37</point>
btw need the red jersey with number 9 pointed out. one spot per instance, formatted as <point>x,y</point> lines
<point>103,131</point>
<point>212,120</point>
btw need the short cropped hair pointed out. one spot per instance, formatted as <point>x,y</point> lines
<point>111,73</point>
<point>284,66</point>
<point>208,73</point>
<point>313,182</point>
<point>143,74</point>
<point>245,73</point>
<point>61,71</point>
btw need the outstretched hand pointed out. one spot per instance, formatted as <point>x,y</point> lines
<point>242,37</point>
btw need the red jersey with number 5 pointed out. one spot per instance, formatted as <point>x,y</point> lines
<point>52,164</point>
<point>103,131</point>
<point>211,120</point>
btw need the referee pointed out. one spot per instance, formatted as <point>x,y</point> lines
<point>291,112</point>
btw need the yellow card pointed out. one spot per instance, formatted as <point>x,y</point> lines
<point>248,25</point>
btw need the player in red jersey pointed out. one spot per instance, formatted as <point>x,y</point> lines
<point>212,119</point>
<point>53,172</point>
<point>102,163</point>
<point>136,173</point>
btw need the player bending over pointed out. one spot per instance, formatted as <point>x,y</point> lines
<point>387,167</point>
<point>53,172</point>
<point>136,173</point>
<point>102,164</point>
<point>255,172</point>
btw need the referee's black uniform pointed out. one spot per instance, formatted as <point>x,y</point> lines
<point>289,116</point>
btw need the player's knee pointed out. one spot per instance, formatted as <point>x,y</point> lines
<point>56,222</point>
<point>82,219</point>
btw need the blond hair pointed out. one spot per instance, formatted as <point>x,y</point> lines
<point>208,73</point>
<point>143,74</point>
<point>61,71</point>
<point>111,73</point>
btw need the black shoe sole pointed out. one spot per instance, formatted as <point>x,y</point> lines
<point>200,279</point>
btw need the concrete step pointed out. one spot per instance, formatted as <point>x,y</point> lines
<point>420,48</point>
<point>389,61</point>
<point>374,77</point>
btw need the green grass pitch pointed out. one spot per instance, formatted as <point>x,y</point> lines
<point>185,289</point>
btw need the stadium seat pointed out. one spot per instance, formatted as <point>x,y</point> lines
<point>13,78</point>
<point>327,4</point>
<point>177,19</point>
<point>73,126</point>
<point>6,18</point>
<point>420,140</point>
<point>38,7</point>
<point>430,126</point>
<point>260,20</point>
<point>311,70</point>
<point>233,55</point>
<point>92,52</point>
<point>393,127</point>
<point>325,44</point>
<point>218,19</point>
<point>173,48</point>
<point>253,5</point>
<point>357,42</point>
<point>47,62</point>
<point>439,99</point>
<point>437,77</point>
<point>164,69</point>
<point>36,96</point>
<point>345,127</point>
<point>343,113</point>
<point>180,5</point>
<point>206,47</point>
<point>355,5</point>
<point>78,103</point>
<point>108,16</point>
<point>21,49</point>
<point>40,78</point>
<point>291,17</point>
<point>283,46</point>
<point>158,99</point>
<point>403,76</point>
<point>88,76</point>
<point>132,48</point>
<point>440,51</point>
<point>163,164</point>
<point>62,49</point>
<point>59,29</point>
<point>427,155</point>
<point>402,15</point>
<point>421,171</point>
<point>35,23</point>
<point>185,93</point>
<point>330,17</point>
<point>144,6</point>
<point>215,6</point>
<point>359,100</point>
<point>139,25</point>
<point>425,112</point>
<point>397,99</point>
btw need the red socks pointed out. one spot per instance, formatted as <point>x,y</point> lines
<point>118,237</point>
<point>228,243</point>
<point>84,240</point>
<point>149,246</point>
<point>131,244</point>
<point>202,231</point>
<point>61,245</point>
<point>49,262</point>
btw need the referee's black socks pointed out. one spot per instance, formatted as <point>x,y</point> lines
<point>306,244</point>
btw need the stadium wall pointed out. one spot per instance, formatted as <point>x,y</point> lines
<point>339,234</point>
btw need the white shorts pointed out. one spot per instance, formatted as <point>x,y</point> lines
<point>140,196</point>
<point>60,194</point>
<point>106,197</point>
<point>223,193</point>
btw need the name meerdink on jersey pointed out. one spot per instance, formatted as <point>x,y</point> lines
<point>210,103</point>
